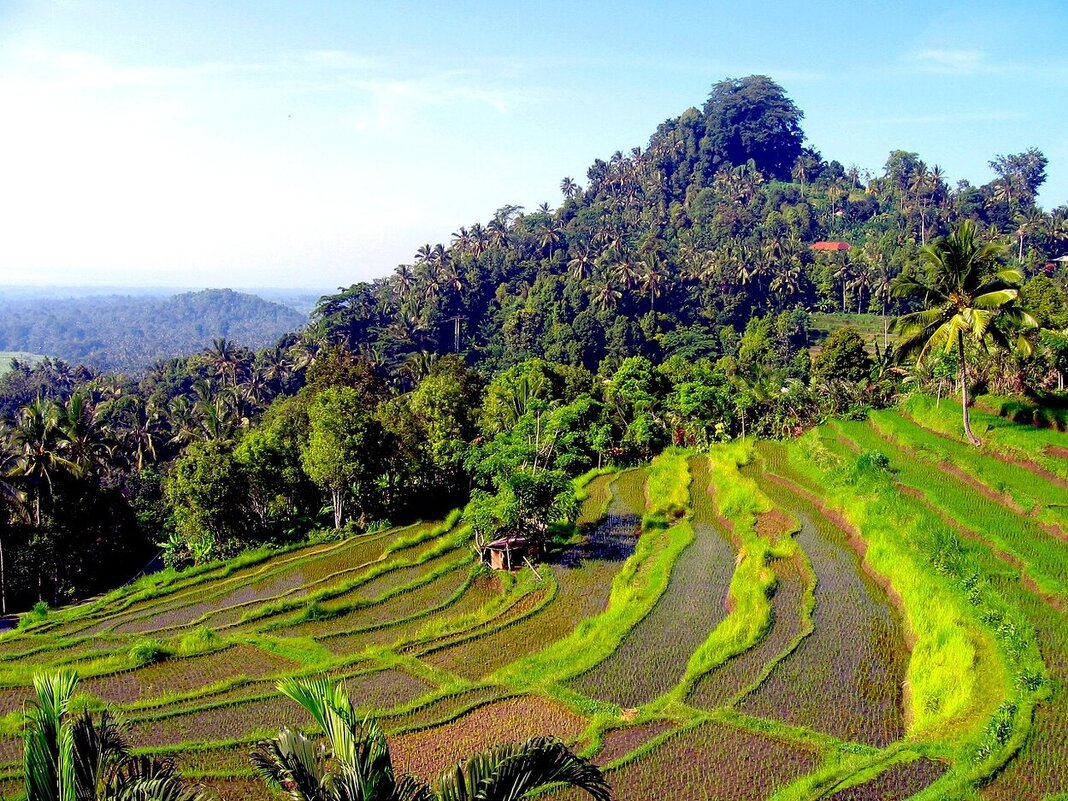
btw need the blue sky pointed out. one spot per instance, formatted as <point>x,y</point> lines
<point>317,144</point>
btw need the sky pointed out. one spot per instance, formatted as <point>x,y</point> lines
<point>316,144</point>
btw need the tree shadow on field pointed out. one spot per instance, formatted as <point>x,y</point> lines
<point>612,539</point>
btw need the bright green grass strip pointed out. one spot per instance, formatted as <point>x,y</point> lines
<point>1049,500</point>
<point>942,673</point>
<point>843,770</point>
<point>635,590</point>
<point>170,581</point>
<point>740,501</point>
<point>1044,558</point>
<point>176,583</point>
<point>303,650</point>
<point>580,483</point>
<point>667,487</point>
<point>999,434</point>
<point>975,672</point>
<point>447,541</point>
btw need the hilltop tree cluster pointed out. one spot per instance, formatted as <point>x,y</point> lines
<point>667,300</point>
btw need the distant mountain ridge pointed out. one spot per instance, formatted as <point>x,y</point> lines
<point>119,332</point>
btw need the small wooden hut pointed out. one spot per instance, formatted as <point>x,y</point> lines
<point>508,553</point>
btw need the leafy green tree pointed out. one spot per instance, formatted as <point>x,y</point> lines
<point>72,757</point>
<point>752,119</point>
<point>342,452</point>
<point>356,764</point>
<point>842,358</point>
<point>634,396</point>
<point>207,492</point>
<point>280,495</point>
<point>1020,175</point>
<point>966,295</point>
<point>446,404</point>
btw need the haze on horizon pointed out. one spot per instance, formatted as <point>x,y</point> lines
<point>205,144</point>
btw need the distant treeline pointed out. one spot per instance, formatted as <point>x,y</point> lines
<point>130,333</point>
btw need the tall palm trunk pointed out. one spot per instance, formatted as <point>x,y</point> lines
<point>964,391</point>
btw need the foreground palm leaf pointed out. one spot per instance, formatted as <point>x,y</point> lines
<point>79,759</point>
<point>354,764</point>
<point>512,772</point>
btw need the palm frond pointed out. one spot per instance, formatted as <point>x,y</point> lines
<point>409,788</point>
<point>510,773</point>
<point>995,299</point>
<point>1011,276</point>
<point>99,748</point>
<point>293,763</point>
<point>979,321</point>
<point>47,771</point>
<point>146,779</point>
<point>907,285</point>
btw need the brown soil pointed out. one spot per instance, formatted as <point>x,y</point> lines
<point>1031,467</point>
<point>617,743</point>
<point>1056,450</point>
<point>426,753</point>
<point>847,442</point>
<point>775,525</point>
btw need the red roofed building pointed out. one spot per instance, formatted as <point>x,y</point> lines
<point>832,246</point>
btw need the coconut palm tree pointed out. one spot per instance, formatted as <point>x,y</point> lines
<point>12,496</point>
<point>606,296</point>
<point>36,439</point>
<point>964,293</point>
<point>580,267</point>
<point>356,765</point>
<point>76,758</point>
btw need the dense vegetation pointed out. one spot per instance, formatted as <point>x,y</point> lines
<point>672,300</point>
<point>875,609</point>
<point>867,602</point>
<point>130,333</point>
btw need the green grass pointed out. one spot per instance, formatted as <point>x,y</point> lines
<point>429,641</point>
<point>740,502</point>
<point>6,356</point>
<point>870,327</point>
<point>975,673</point>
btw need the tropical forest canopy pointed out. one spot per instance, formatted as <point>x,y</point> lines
<point>129,333</point>
<point>668,298</point>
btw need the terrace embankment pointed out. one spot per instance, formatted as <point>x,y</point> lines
<point>709,761</point>
<point>583,575</point>
<point>724,683</point>
<point>692,606</point>
<point>846,677</point>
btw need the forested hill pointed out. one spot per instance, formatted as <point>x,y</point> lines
<point>130,333</point>
<point>673,248</point>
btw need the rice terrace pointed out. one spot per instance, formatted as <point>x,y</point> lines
<point>874,610</point>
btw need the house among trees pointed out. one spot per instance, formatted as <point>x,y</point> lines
<point>507,553</point>
<point>831,246</point>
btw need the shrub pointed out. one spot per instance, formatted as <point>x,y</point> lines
<point>35,615</point>
<point>145,652</point>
